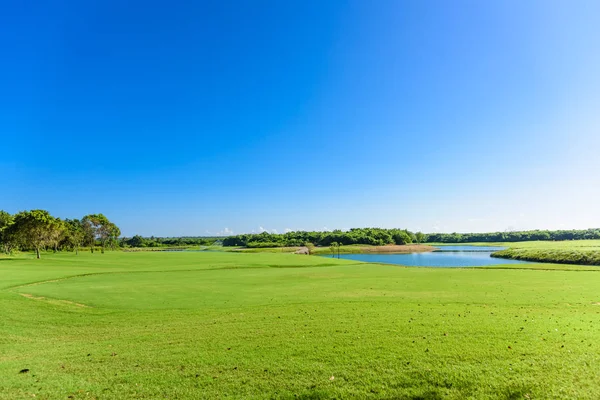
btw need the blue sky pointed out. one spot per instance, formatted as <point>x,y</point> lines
<point>193,118</point>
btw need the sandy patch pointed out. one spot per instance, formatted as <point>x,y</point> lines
<point>53,301</point>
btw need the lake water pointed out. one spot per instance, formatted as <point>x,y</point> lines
<point>446,257</point>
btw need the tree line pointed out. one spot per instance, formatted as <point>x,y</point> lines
<point>138,241</point>
<point>380,237</point>
<point>368,236</point>
<point>38,230</point>
<point>517,236</point>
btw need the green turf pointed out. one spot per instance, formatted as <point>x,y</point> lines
<point>215,325</point>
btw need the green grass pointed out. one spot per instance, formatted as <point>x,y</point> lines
<point>582,252</point>
<point>561,256</point>
<point>219,324</point>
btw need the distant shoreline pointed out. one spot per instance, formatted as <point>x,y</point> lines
<point>390,248</point>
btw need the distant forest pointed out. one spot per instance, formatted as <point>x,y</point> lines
<point>517,236</point>
<point>152,241</point>
<point>380,237</point>
<point>38,230</point>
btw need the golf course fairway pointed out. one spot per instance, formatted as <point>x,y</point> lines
<point>190,325</point>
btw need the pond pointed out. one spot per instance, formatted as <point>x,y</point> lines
<point>446,257</point>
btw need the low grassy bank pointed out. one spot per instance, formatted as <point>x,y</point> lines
<point>582,252</point>
<point>560,256</point>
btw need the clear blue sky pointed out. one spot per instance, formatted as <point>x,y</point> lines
<point>193,118</point>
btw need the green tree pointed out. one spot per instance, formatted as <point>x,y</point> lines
<point>420,237</point>
<point>75,235</point>
<point>333,246</point>
<point>113,233</point>
<point>137,241</point>
<point>34,229</point>
<point>6,220</point>
<point>98,227</point>
<point>57,232</point>
<point>402,237</point>
<point>89,232</point>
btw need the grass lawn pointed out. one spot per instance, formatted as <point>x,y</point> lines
<point>216,324</point>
